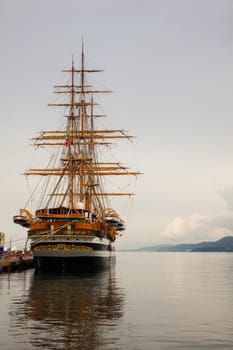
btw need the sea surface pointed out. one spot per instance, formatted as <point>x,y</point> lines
<point>146,301</point>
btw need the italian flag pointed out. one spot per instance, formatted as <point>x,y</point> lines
<point>67,137</point>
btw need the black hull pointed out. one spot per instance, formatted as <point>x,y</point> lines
<point>73,264</point>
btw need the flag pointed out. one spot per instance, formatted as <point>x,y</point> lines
<point>67,137</point>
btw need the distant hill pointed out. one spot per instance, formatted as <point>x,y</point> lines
<point>224,244</point>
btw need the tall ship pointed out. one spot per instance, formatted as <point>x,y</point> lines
<point>74,221</point>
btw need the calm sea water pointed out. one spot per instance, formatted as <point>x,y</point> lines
<point>147,301</point>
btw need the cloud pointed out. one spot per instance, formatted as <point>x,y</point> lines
<point>227,194</point>
<point>199,227</point>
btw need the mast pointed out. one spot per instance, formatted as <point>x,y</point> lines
<point>82,108</point>
<point>79,161</point>
<point>69,143</point>
<point>91,179</point>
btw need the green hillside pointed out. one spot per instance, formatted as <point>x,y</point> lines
<point>224,244</point>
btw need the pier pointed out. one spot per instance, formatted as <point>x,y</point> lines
<point>15,261</point>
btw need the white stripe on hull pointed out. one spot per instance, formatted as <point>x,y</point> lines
<point>70,239</point>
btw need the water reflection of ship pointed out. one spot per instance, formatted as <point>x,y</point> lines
<point>70,311</point>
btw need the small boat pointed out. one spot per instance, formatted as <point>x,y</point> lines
<point>74,222</point>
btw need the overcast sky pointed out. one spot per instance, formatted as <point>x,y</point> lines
<point>169,64</point>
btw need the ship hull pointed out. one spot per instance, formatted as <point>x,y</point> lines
<point>70,253</point>
<point>73,264</point>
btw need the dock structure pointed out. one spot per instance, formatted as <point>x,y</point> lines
<point>15,261</point>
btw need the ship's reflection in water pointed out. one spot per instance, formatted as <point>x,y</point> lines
<point>69,311</point>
